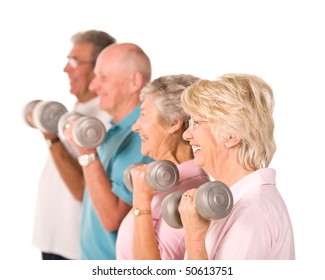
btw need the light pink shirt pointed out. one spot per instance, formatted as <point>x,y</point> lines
<point>258,227</point>
<point>170,241</point>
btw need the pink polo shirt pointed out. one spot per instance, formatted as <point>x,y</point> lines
<point>258,227</point>
<point>170,241</point>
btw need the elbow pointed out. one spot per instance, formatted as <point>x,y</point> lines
<point>111,218</point>
<point>110,224</point>
<point>78,196</point>
<point>78,192</point>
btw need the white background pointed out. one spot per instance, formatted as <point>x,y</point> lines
<point>282,42</point>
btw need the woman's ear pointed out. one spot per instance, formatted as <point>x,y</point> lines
<point>175,126</point>
<point>232,142</point>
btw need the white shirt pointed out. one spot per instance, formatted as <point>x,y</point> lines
<point>58,213</point>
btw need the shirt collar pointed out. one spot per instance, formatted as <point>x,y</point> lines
<point>129,120</point>
<point>258,178</point>
<point>189,169</point>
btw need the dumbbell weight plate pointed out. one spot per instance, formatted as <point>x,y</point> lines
<point>46,115</point>
<point>169,209</point>
<point>127,176</point>
<point>64,119</point>
<point>89,132</point>
<point>28,112</point>
<point>213,200</point>
<point>162,175</point>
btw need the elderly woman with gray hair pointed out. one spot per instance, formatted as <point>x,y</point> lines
<point>231,133</point>
<point>143,233</point>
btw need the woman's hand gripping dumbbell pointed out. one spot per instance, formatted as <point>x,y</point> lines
<point>161,175</point>
<point>87,132</point>
<point>212,201</point>
<point>43,115</point>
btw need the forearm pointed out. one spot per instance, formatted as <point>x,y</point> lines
<point>69,169</point>
<point>110,209</point>
<point>145,245</point>
<point>195,250</point>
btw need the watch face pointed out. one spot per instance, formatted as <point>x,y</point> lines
<point>49,142</point>
<point>83,160</point>
<point>138,212</point>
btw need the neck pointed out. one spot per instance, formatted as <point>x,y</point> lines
<point>179,153</point>
<point>233,174</point>
<point>86,97</point>
<point>230,170</point>
<point>120,112</point>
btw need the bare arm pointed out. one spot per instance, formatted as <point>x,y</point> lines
<point>110,209</point>
<point>145,245</point>
<point>68,167</point>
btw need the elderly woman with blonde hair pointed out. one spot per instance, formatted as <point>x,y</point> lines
<point>231,133</point>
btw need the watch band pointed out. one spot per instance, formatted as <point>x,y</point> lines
<point>50,142</point>
<point>86,159</point>
<point>138,212</point>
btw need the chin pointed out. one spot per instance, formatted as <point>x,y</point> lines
<point>102,106</point>
<point>198,162</point>
<point>144,152</point>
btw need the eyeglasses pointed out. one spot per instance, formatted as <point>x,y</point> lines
<point>195,123</point>
<point>75,62</point>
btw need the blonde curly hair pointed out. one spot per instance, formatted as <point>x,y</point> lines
<point>237,105</point>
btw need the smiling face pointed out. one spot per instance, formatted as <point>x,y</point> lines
<point>81,73</point>
<point>153,133</point>
<point>119,78</point>
<point>208,154</point>
<point>110,83</point>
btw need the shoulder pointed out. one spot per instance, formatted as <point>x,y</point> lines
<point>189,170</point>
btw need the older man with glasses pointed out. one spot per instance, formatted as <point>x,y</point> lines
<point>61,185</point>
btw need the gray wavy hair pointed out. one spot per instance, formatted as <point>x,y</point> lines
<point>99,39</point>
<point>166,91</point>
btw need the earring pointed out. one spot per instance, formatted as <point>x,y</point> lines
<point>226,145</point>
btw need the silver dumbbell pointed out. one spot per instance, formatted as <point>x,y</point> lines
<point>213,201</point>
<point>43,115</point>
<point>88,132</point>
<point>162,175</point>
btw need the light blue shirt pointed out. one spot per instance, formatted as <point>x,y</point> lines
<point>121,148</point>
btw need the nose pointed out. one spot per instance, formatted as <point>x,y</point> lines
<point>187,134</point>
<point>136,126</point>
<point>66,68</point>
<point>93,86</point>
